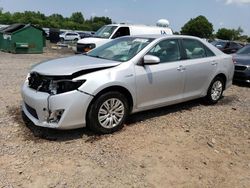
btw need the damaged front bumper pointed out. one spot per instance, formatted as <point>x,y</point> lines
<point>62,111</point>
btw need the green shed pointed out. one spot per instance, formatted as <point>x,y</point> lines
<point>21,38</point>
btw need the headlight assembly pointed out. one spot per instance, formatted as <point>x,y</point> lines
<point>52,84</point>
<point>62,86</point>
<point>89,47</point>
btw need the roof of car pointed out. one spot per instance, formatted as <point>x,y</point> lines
<point>135,25</point>
<point>167,36</point>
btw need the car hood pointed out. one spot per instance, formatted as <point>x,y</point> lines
<point>242,59</point>
<point>69,65</point>
<point>91,40</point>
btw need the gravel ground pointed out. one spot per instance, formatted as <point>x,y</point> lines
<point>185,145</point>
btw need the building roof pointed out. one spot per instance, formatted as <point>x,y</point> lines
<point>18,26</point>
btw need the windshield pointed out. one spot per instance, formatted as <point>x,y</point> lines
<point>244,51</point>
<point>122,49</point>
<point>105,31</point>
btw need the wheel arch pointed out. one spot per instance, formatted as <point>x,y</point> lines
<point>120,89</point>
<point>223,77</point>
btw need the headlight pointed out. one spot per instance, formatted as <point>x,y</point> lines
<point>62,86</point>
<point>89,47</point>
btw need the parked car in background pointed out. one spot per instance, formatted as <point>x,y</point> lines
<point>84,34</point>
<point>127,75</point>
<point>242,64</point>
<point>69,36</point>
<point>228,47</point>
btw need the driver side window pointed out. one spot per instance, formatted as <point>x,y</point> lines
<point>122,31</point>
<point>167,50</point>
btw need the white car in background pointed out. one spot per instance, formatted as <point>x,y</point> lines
<point>113,31</point>
<point>69,36</point>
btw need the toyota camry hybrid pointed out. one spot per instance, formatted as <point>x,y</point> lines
<point>127,75</point>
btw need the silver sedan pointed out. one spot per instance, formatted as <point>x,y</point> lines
<point>127,75</point>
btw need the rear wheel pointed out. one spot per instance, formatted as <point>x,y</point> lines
<point>215,90</point>
<point>108,112</point>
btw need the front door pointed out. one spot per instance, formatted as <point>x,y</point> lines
<point>163,83</point>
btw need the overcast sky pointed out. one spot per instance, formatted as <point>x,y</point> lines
<point>221,13</point>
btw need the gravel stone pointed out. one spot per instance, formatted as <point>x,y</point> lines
<point>156,148</point>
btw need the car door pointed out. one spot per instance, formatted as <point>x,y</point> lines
<point>68,36</point>
<point>163,83</point>
<point>201,65</point>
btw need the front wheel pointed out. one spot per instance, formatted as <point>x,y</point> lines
<point>215,91</point>
<point>108,113</point>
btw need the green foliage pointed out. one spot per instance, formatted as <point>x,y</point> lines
<point>225,34</point>
<point>102,19</point>
<point>199,27</point>
<point>243,38</point>
<point>229,34</point>
<point>75,22</point>
<point>77,17</point>
<point>98,22</point>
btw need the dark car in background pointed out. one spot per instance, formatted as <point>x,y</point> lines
<point>242,64</point>
<point>228,47</point>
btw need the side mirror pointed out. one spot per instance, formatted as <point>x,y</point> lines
<point>151,60</point>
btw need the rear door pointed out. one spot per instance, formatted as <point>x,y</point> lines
<point>200,67</point>
<point>163,83</point>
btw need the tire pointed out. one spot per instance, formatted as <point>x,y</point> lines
<point>215,90</point>
<point>61,39</point>
<point>76,39</point>
<point>101,118</point>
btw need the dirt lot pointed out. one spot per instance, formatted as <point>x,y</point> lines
<point>186,145</point>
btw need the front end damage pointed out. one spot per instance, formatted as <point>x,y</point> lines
<point>55,101</point>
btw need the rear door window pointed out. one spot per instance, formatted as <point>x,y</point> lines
<point>234,45</point>
<point>195,49</point>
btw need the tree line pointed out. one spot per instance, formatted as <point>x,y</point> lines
<point>199,26</point>
<point>75,22</point>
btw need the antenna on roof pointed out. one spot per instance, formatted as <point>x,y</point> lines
<point>162,23</point>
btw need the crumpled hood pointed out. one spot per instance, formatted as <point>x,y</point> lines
<point>242,59</point>
<point>69,65</point>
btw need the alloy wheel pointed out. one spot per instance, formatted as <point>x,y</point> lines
<point>216,90</point>
<point>111,113</point>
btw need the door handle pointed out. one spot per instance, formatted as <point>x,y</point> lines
<point>181,68</point>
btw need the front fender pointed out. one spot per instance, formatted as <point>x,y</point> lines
<point>121,76</point>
